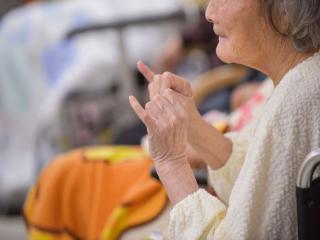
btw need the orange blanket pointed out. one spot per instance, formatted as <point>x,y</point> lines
<point>94,193</point>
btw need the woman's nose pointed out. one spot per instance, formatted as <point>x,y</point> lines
<point>210,11</point>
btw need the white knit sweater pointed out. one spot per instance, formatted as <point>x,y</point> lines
<point>257,184</point>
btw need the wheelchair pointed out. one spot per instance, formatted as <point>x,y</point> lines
<point>308,198</point>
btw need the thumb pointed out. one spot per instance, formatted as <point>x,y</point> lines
<point>143,115</point>
<point>178,84</point>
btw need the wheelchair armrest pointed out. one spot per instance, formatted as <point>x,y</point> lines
<point>306,171</point>
<point>308,198</point>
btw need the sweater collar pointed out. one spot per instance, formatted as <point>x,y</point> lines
<point>313,60</point>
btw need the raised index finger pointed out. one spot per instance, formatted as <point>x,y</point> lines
<point>145,71</point>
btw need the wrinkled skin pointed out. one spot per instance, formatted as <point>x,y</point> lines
<point>168,112</point>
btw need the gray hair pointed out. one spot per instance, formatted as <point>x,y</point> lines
<point>297,19</point>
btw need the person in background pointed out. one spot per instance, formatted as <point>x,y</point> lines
<point>6,6</point>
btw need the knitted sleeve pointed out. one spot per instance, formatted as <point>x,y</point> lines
<point>223,179</point>
<point>204,213</point>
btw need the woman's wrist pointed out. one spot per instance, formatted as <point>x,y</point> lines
<point>214,148</point>
<point>196,122</point>
<point>178,179</point>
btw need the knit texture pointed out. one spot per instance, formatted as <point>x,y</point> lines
<point>261,173</point>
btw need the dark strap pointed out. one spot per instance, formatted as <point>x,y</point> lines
<point>308,209</point>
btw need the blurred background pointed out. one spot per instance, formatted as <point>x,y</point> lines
<point>67,68</point>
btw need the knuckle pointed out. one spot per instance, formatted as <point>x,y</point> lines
<point>157,97</point>
<point>157,78</point>
<point>168,95</point>
<point>168,92</point>
<point>166,76</point>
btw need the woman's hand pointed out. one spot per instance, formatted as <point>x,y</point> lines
<point>162,83</point>
<point>167,124</point>
<point>201,135</point>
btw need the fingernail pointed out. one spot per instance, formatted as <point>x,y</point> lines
<point>138,63</point>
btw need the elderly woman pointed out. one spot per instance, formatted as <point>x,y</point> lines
<point>259,166</point>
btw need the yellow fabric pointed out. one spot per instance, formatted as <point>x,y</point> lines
<point>221,126</point>
<point>36,234</point>
<point>115,154</point>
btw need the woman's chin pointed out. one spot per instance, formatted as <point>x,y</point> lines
<point>223,51</point>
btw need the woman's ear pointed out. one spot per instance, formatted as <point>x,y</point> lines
<point>284,21</point>
<point>279,16</point>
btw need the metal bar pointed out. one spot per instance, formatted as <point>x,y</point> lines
<point>307,169</point>
<point>123,23</point>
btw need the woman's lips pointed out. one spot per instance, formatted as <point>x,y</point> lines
<point>219,33</point>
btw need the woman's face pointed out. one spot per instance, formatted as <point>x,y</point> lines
<point>241,28</point>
